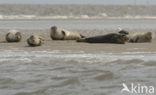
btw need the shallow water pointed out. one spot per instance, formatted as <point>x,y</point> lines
<point>44,72</point>
<point>131,24</point>
<point>28,11</point>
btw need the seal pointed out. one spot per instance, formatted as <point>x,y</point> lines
<point>13,36</point>
<point>108,38</point>
<point>141,38</point>
<point>60,34</point>
<point>35,40</point>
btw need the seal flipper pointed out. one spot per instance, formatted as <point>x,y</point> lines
<point>41,41</point>
<point>82,36</point>
<point>8,40</point>
<point>64,34</point>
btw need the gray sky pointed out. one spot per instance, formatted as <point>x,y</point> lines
<point>122,2</point>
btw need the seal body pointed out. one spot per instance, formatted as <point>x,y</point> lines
<point>109,38</point>
<point>141,38</point>
<point>60,34</point>
<point>13,36</point>
<point>35,40</point>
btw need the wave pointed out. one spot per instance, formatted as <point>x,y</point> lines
<point>80,57</point>
<point>99,16</point>
<point>27,11</point>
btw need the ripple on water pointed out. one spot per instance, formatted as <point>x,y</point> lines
<point>38,73</point>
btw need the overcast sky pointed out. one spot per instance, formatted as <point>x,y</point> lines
<point>122,2</point>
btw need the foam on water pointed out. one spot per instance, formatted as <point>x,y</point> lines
<point>105,57</point>
<point>99,16</point>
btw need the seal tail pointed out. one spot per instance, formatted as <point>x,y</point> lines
<point>81,40</point>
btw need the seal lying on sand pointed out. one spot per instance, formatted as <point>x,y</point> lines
<point>13,36</point>
<point>140,38</point>
<point>35,40</point>
<point>60,34</point>
<point>109,38</point>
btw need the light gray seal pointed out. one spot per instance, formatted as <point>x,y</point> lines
<point>13,36</point>
<point>61,34</point>
<point>141,38</point>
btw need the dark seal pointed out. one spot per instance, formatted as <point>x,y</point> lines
<point>109,38</point>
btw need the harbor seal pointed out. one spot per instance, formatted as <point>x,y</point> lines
<point>141,38</point>
<point>60,34</point>
<point>108,38</point>
<point>13,36</point>
<point>35,40</point>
